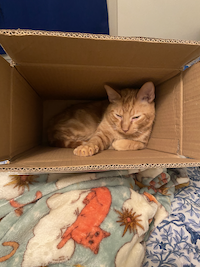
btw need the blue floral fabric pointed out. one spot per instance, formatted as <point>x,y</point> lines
<point>176,241</point>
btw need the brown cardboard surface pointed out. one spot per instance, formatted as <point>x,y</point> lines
<point>166,131</point>
<point>191,111</point>
<point>164,145</point>
<point>26,116</point>
<point>5,105</point>
<point>72,49</point>
<point>60,159</point>
<point>68,66</point>
<point>86,82</point>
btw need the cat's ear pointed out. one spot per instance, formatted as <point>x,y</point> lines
<point>112,94</point>
<point>146,92</point>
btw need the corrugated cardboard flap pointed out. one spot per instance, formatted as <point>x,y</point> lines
<point>20,115</point>
<point>46,159</point>
<point>5,114</point>
<point>166,135</point>
<point>191,112</point>
<point>26,115</point>
<point>40,47</point>
<point>89,61</point>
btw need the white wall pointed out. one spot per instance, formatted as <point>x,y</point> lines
<point>179,19</point>
<point>113,16</point>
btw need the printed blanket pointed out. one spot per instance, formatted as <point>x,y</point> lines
<point>176,241</point>
<point>84,220</point>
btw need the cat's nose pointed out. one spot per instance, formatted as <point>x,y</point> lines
<point>125,130</point>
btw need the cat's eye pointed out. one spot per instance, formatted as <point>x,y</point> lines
<point>136,117</point>
<point>119,116</point>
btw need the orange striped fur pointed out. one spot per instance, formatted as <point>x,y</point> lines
<point>123,123</point>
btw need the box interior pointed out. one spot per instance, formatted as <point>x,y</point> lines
<point>51,71</point>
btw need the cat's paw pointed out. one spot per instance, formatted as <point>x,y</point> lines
<point>86,150</point>
<point>118,144</point>
<point>126,144</point>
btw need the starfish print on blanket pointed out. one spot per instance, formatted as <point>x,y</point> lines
<point>22,181</point>
<point>130,220</point>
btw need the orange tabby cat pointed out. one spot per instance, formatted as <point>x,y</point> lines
<point>123,123</point>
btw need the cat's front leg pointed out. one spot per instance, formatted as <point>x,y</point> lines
<point>101,140</point>
<point>98,142</point>
<point>125,144</point>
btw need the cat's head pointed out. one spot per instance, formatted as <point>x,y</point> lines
<point>93,238</point>
<point>131,110</point>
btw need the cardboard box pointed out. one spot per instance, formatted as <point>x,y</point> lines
<point>51,66</point>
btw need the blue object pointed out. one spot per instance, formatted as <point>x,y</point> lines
<point>190,64</point>
<point>86,16</point>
